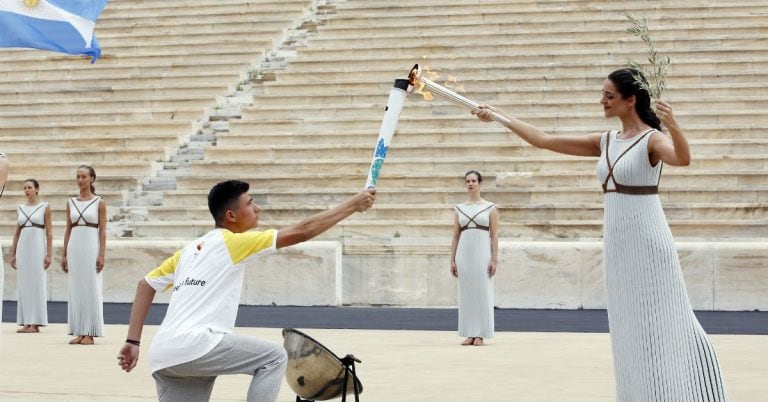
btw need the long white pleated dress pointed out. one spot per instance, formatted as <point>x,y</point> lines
<point>31,248</point>
<point>85,310</point>
<point>660,351</point>
<point>473,254</point>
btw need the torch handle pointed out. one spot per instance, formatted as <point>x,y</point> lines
<point>462,100</point>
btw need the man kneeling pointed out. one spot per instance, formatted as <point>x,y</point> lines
<point>195,342</point>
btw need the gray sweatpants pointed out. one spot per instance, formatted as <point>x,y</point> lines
<point>235,354</point>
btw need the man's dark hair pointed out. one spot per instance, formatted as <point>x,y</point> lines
<point>223,195</point>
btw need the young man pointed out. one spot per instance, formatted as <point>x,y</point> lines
<point>195,342</point>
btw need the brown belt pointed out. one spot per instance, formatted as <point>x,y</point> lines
<point>33,225</point>
<point>481,227</point>
<point>633,190</point>
<point>88,224</point>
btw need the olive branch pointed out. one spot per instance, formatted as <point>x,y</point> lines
<point>655,81</point>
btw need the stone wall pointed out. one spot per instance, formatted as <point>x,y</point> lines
<point>557,275</point>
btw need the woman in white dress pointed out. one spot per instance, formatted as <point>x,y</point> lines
<point>474,255</point>
<point>660,351</point>
<point>31,256</point>
<point>4,166</point>
<point>85,243</point>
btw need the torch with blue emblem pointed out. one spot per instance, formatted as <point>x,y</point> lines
<point>395,103</point>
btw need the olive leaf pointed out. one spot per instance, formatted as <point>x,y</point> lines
<point>655,81</point>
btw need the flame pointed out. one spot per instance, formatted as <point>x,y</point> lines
<point>420,90</point>
<point>429,74</point>
<point>453,83</point>
<point>419,85</point>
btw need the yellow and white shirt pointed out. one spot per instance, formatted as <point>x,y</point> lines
<point>206,278</point>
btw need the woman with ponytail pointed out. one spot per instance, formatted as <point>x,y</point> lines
<point>31,257</point>
<point>85,241</point>
<point>660,351</point>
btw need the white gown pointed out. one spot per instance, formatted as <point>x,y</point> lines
<point>85,309</point>
<point>660,351</point>
<point>31,248</point>
<point>473,253</point>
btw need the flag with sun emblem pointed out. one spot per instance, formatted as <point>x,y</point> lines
<point>64,26</point>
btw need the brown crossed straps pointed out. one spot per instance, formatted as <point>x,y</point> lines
<point>29,218</point>
<point>77,221</point>
<point>472,219</point>
<point>620,188</point>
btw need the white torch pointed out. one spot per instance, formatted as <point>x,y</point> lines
<point>391,114</point>
<point>417,79</point>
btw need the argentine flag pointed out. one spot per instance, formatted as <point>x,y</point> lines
<point>64,26</point>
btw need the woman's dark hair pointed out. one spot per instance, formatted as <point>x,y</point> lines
<point>223,195</point>
<point>92,173</point>
<point>476,173</point>
<point>626,82</point>
<point>34,183</point>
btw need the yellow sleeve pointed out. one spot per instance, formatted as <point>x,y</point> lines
<point>161,278</point>
<point>244,245</point>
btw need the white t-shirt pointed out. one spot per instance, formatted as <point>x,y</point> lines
<point>206,278</point>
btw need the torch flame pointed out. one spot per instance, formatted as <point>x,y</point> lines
<point>429,74</point>
<point>453,83</point>
<point>417,77</point>
<point>418,85</point>
<point>420,90</point>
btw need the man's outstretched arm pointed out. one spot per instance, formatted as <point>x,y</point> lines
<point>129,353</point>
<point>319,223</point>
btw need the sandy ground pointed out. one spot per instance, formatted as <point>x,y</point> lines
<point>398,366</point>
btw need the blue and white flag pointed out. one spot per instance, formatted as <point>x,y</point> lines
<point>64,26</point>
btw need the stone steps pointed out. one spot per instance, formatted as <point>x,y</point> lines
<point>92,141</point>
<point>493,133</point>
<point>230,38</point>
<point>149,8</point>
<point>66,72</point>
<point>446,165</point>
<point>673,177</point>
<point>536,90</point>
<point>106,115</point>
<point>58,198</point>
<point>514,31</point>
<point>63,104</point>
<point>113,92</point>
<point>412,119</point>
<point>589,19</point>
<point>267,15</point>
<point>442,107</point>
<point>533,229</point>
<point>439,212</point>
<point>93,154</point>
<point>488,45</point>
<point>434,8</point>
<point>66,182</point>
<point>410,144</point>
<point>440,60</point>
<point>97,129</point>
<point>462,72</point>
<point>424,211</point>
<point>202,55</point>
<point>56,170</point>
<point>480,84</point>
<point>139,80</point>
<point>409,149</point>
<point>186,197</point>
